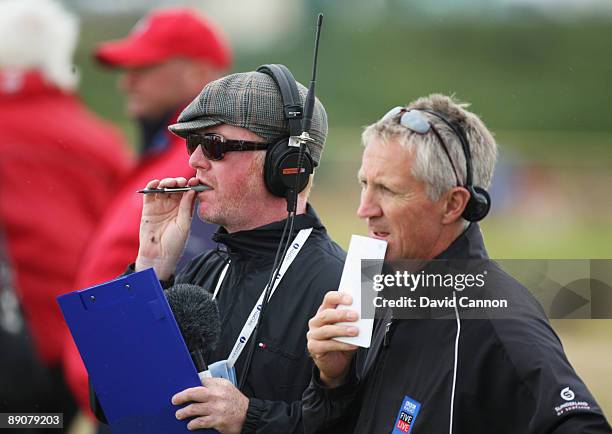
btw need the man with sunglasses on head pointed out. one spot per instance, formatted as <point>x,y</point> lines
<point>230,129</point>
<point>424,174</point>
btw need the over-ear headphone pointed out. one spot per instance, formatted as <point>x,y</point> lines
<point>283,158</point>
<point>479,204</point>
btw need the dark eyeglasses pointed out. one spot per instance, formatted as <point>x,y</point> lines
<point>214,146</point>
<point>416,122</point>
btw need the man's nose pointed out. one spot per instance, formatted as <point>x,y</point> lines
<point>198,160</point>
<point>369,205</point>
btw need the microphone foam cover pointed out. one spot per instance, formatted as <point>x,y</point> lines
<point>196,314</point>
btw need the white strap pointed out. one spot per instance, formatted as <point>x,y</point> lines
<point>251,322</point>
<point>452,403</point>
<point>220,281</point>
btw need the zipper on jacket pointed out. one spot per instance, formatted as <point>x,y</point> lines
<point>388,332</point>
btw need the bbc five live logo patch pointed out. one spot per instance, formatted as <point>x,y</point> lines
<point>406,416</point>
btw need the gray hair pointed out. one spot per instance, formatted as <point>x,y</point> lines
<point>431,163</point>
<point>40,35</point>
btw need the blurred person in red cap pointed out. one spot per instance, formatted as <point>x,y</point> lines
<point>59,163</point>
<point>165,61</point>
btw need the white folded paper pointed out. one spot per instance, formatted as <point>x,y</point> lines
<point>350,282</point>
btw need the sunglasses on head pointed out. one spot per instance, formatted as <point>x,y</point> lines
<point>214,146</point>
<point>417,122</point>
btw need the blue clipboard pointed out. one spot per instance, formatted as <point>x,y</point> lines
<point>133,351</point>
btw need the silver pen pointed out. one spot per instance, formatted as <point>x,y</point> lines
<point>197,188</point>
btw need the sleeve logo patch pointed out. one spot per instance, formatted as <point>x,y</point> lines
<point>570,405</point>
<point>406,416</point>
<point>567,394</point>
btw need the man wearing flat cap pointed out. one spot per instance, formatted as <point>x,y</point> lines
<point>230,127</point>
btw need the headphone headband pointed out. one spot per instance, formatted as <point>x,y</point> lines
<point>286,168</point>
<point>292,108</point>
<point>460,133</point>
<point>480,201</point>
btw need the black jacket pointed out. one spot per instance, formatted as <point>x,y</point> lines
<point>281,367</point>
<point>512,375</point>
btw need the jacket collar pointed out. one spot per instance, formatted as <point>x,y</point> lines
<point>17,84</point>
<point>469,245</point>
<point>263,241</point>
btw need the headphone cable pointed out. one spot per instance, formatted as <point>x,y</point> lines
<point>268,288</point>
<point>278,260</point>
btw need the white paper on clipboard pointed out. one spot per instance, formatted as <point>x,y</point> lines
<point>359,248</point>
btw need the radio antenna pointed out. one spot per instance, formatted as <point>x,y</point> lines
<point>292,195</point>
<point>310,97</point>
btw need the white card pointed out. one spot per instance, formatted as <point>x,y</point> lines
<point>350,282</point>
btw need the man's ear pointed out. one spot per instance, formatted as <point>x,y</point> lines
<point>455,202</point>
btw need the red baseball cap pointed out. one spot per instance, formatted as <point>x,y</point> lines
<point>167,33</point>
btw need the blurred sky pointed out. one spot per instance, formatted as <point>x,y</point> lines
<point>443,5</point>
<point>244,18</point>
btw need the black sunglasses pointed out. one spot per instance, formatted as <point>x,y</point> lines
<point>214,146</point>
<point>416,122</point>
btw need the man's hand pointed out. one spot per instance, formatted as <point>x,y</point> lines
<point>333,358</point>
<point>218,405</point>
<point>164,227</point>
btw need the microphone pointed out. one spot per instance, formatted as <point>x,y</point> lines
<point>197,316</point>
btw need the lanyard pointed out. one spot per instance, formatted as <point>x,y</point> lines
<point>220,281</point>
<point>251,322</point>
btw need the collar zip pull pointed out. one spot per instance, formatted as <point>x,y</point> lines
<point>388,333</point>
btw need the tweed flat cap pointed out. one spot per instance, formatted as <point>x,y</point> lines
<point>250,100</point>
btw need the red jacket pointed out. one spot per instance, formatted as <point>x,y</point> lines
<point>59,164</point>
<point>115,244</point>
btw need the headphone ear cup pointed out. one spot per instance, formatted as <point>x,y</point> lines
<point>280,168</point>
<point>479,204</point>
<point>270,179</point>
